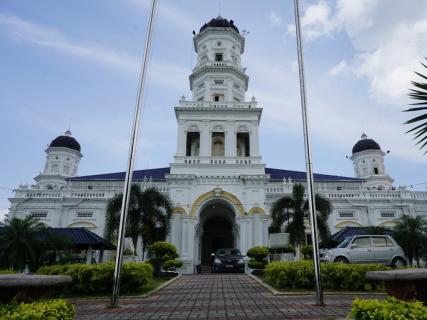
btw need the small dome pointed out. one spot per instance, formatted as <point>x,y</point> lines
<point>66,141</point>
<point>219,22</point>
<point>365,144</point>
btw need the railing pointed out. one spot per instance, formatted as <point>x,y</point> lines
<point>217,104</point>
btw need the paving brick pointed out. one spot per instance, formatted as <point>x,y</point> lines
<point>217,296</point>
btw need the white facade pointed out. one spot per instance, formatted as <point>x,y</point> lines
<point>221,190</point>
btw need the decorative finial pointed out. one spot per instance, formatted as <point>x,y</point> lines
<point>67,133</point>
<point>363,136</point>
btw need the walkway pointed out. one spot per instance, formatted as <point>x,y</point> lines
<point>219,296</point>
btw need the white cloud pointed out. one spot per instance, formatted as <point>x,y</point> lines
<point>22,30</point>
<point>389,38</point>
<point>338,68</point>
<point>275,19</point>
<point>315,22</point>
<point>3,213</point>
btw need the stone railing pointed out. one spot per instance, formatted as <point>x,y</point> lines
<point>217,104</point>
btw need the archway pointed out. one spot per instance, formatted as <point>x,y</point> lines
<point>217,229</point>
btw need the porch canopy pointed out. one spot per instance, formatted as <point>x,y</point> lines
<point>80,238</point>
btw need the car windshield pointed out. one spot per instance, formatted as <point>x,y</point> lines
<point>228,252</point>
<point>344,244</point>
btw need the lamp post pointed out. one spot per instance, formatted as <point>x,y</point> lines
<point>131,158</point>
<point>308,162</point>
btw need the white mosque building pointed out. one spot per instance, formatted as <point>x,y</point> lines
<point>221,190</point>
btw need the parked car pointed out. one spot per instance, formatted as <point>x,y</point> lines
<point>228,260</point>
<point>366,249</point>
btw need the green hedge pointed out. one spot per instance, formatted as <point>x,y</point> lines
<point>7,271</point>
<point>40,310</point>
<point>98,278</point>
<point>335,276</point>
<point>389,309</point>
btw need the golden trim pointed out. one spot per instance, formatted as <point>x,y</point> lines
<point>179,210</point>
<point>390,223</point>
<point>344,224</point>
<point>217,195</point>
<point>254,210</point>
<point>92,226</point>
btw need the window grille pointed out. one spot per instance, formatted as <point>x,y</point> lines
<point>84,214</point>
<point>387,214</point>
<point>346,214</point>
<point>39,214</point>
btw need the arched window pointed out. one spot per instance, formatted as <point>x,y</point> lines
<point>242,142</point>
<point>193,141</point>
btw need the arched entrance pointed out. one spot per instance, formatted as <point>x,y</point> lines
<point>217,229</point>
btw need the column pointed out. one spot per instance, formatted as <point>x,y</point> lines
<point>182,139</point>
<point>205,141</point>
<point>230,140</point>
<point>253,143</point>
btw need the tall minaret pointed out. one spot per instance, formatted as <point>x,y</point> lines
<point>218,128</point>
<point>368,163</point>
<point>62,161</point>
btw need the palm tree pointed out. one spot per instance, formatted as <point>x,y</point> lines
<point>18,243</point>
<point>293,209</point>
<point>149,214</point>
<point>411,234</point>
<point>419,94</point>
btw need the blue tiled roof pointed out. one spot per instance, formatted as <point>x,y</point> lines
<point>81,238</point>
<point>279,174</point>
<point>349,232</point>
<point>154,174</point>
<point>159,174</point>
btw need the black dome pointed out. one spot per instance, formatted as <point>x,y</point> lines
<point>219,22</point>
<point>66,141</point>
<point>365,144</point>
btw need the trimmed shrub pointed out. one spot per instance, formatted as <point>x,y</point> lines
<point>40,310</point>
<point>8,272</point>
<point>389,309</point>
<point>307,251</point>
<point>163,255</point>
<point>258,257</point>
<point>288,249</point>
<point>335,276</point>
<point>98,278</point>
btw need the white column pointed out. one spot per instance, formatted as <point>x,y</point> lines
<point>256,230</point>
<point>230,143</point>
<point>182,139</point>
<point>254,143</point>
<point>205,141</point>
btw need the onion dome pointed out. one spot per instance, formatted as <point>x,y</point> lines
<point>66,141</point>
<point>365,144</point>
<point>219,22</point>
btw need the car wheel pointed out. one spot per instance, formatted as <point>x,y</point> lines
<point>398,262</point>
<point>341,259</point>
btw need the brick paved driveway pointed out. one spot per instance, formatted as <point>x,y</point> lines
<point>216,296</point>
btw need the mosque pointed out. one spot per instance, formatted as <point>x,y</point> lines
<point>221,190</point>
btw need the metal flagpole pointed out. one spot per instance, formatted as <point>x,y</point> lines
<point>309,167</point>
<point>131,159</point>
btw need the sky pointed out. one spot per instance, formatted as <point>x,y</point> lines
<point>75,65</point>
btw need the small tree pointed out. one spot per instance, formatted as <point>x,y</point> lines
<point>293,209</point>
<point>163,255</point>
<point>258,257</point>
<point>18,243</point>
<point>411,234</point>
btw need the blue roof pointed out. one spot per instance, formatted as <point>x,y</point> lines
<point>154,174</point>
<point>81,238</point>
<point>280,174</point>
<point>159,174</point>
<point>349,232</point>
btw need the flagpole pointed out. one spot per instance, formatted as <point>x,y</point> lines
<point>131,158</point>
<point>308,161</point>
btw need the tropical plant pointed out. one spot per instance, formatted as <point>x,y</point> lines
<point>411,234</point>
<point>419,94</point>
<point>148,216</point>
<point>18,243</point>
<point>293,209</point>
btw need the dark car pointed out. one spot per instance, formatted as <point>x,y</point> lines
<point>228,260</point>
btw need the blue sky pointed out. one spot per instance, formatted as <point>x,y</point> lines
<point>75,64</point>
